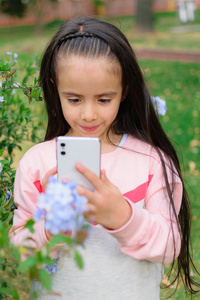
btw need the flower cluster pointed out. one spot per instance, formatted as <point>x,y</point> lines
<point>61,206</point>
<point>15,55</point>
<point>1,97</point>
<point>160,105</point>
<point>54,268</point>
<point>9,85</point>
<point>8,196</point>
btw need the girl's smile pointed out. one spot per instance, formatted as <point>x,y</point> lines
<point>89,129</point>
<point>90,92</point>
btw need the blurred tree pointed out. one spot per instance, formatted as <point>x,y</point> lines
<point>144,15</point>
<point>13,7</point>
<point>19,7</point>
<point>99,6</point>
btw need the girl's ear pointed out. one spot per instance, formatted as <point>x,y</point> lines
<point>125,92</point>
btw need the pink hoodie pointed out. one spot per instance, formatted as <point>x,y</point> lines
<point>136,170</point>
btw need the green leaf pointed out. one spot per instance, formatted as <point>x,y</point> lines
<point>16,255</point>
<point>78,259</point>
<point>29,224</point>
<point>4,239</point>
<point>22,108</point>
<point>45,279</point>
<point>5,216</point>
<point>1,152</point>
<point>15,294</point>
<point>35,94</point>
<point>27,264</point>
<point>49,261</point>
<point>24,81</point>
<point>14,271</point>
<point>59,239</point>
<point>4,291</point>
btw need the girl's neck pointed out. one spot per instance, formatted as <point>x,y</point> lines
<point>107,146</point>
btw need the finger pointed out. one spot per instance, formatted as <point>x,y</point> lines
<point>46,177</point>
<point>89,215</point>
<point>84,192</point>
<point>65,180</point>
<point>104,178</point>
<point>89,175</point>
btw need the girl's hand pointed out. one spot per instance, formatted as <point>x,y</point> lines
<point>106,205</point>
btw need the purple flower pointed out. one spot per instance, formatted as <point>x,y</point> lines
<point>63,207</point>
<point>54,268</point>
<point>15,55</point>
<point>8,196</point>
<point>160,105</point>
<point>17,85</point>
<point>1,98</point>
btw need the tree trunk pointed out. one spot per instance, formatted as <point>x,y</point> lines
<point>39,11</point>
<point>144,15</point>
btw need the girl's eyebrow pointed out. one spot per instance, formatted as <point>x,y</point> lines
<point>112,93</point>
<point>71,94</point>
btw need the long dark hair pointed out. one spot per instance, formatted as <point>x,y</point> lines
<point>136,115</point>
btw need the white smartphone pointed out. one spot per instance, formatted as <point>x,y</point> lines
<point>72,150</point>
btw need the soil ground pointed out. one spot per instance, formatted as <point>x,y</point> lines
<point>168,55</point>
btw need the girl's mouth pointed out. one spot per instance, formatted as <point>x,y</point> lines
<point>89,128</point>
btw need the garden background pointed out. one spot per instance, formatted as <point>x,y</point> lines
<point>177,82</point>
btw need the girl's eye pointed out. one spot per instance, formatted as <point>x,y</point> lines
<point>104,100</point>
<point>74,100</point>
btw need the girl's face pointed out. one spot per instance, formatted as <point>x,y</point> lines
<point>90,92</point>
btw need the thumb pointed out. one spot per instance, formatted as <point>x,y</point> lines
<point>104,177</point>
<point>46,177</point>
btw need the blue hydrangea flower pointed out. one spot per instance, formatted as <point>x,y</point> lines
<point>62,207</point>
<point>39,214</point>
<point>160,105</point>
<point>1,98</point>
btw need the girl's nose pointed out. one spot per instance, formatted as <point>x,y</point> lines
<point>89,113</point>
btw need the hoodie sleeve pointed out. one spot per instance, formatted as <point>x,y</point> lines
<point>152,232</point>
<point>25,197</point>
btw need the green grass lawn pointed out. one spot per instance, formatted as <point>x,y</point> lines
<point>176,82</point>
<point>179,85</point>
<point>24,39</point>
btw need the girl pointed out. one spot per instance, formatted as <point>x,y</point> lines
<point>94,87</point>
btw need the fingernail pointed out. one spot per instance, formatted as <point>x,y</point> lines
<point>79,166</point>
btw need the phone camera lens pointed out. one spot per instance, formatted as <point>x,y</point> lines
<point>62,152</point>
<point>62,144</point>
